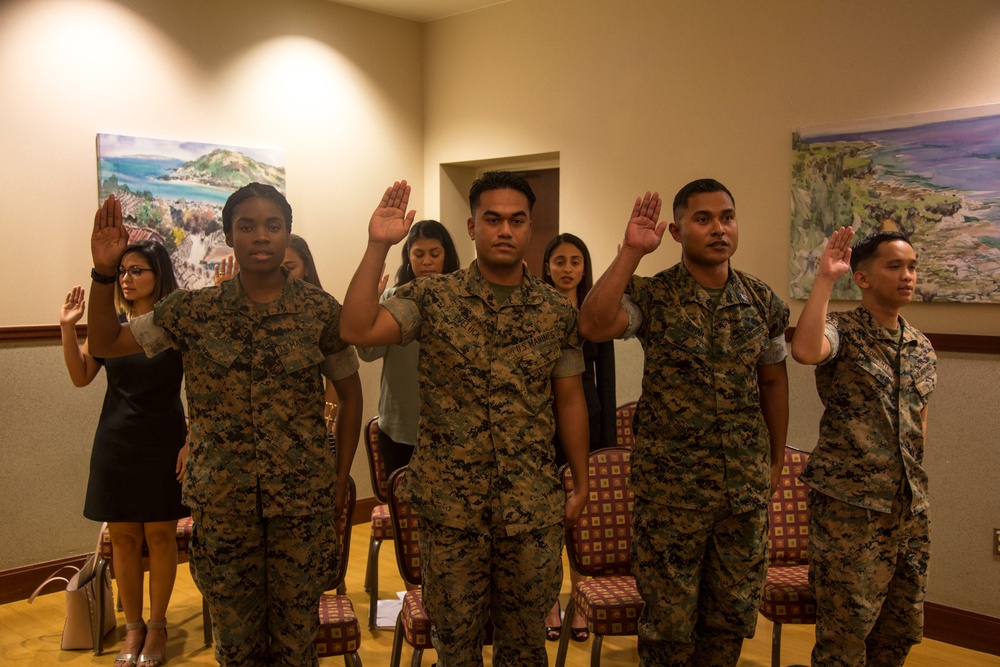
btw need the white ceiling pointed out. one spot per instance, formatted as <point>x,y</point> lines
<point>421,11</point>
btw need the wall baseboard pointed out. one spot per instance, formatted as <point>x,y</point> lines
<point>20,582</point>
<point>958,627</point>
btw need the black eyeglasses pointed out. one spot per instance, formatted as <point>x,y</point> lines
<point>134,271</point>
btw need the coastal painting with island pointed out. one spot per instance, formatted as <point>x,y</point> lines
<point>174,191</point>
<point>934,177</point>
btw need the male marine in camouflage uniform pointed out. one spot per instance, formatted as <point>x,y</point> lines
<point>869,542</point>
<point>259,478</point>
<point>498,352</point>
<point>710,425</point>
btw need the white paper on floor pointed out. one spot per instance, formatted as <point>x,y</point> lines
<point>388,611</point>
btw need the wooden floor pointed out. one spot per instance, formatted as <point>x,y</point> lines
<point>29,634</point>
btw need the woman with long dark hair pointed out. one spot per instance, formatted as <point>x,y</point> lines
<point>139,451</point>
<point>428,250</point>
<point>566,266</point>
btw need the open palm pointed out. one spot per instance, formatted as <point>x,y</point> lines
<point>643,233</point>
<point>109,238</point>
<point>391,222</point>
<point>836,259</point>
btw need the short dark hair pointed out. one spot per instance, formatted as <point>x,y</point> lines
<point>499,180</point>
<point>700,186</point>
<point>588,271</point>
<point>427,229</point>
<point>250,191</point>
<point>866,248</point>
<point>299,246</point>
<point>163,271</point>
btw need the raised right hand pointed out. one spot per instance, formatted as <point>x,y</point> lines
<point>836,258</point>
<point>643,233</point>
<point>109,238</point>
<point>73,307</point>
<point>391,222</point>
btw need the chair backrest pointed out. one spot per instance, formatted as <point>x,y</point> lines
<point>344,532</point>
<point>405,532</point>
<point>601,541</point>
<point>623,424</point>
<point>788,534</point>
<point>376,464</point>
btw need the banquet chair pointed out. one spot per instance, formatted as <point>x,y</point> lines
<point>339,630</point>
<point>623,424</point>
<point>381,525</point>
<point>787,597</point>
<point>184,528</point>
<point>599,547</point>
<point>412,624</point>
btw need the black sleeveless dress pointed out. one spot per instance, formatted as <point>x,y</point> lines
<point>141,429</point>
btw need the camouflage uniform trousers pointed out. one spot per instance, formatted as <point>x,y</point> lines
<point>868,571</point>
<point>700,574</point>
<point>474,575</point>
<point>262,579</point>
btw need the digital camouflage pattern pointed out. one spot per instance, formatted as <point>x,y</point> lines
<point>486,419</point>
<point>700,435</point>
<point>701,445</point>
<point>482,477</point>
<point>259,459</point>
<point>257,625</point>
<point>873,391</point>
<point>700,608</point>
<point>869,541</point>
<point>461,566</point>
<point>868,571</point>
<point>254,382</point>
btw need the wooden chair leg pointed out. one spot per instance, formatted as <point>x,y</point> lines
<point>373,550</point>
<point>595,651</point>
<point>564,633</point>
<point>372,546</point>
<point>776,645</point>
<point>397,642</point>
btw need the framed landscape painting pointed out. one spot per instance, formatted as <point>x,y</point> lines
<point>935,177</point>
<point>174,191</point>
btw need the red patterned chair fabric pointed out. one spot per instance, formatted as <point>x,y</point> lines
<point>339,631</point>
<point>623,424</point>
<point>600,546</point>
<point>412,624</point>
<point>381,524</point>
<point>184,529</point>
<point>787,597</point>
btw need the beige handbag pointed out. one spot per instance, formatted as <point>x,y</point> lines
<point>82,613</point>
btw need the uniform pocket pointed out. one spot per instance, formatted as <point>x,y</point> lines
<point>301,357</point>
<point>750,346</point>
<point>222,352</point>
<point>535,359</point>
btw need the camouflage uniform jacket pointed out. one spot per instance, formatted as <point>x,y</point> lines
<point>254,380</point>
<point>486,418</point>
<point>871,433</point>
<point>700,434</point>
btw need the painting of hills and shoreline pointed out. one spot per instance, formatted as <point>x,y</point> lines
<point>174,191</point>
<point>934,177</point>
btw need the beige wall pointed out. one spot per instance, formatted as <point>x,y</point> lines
<point>650,95</point>
<point>306,76</point>
<point>623,101</point>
